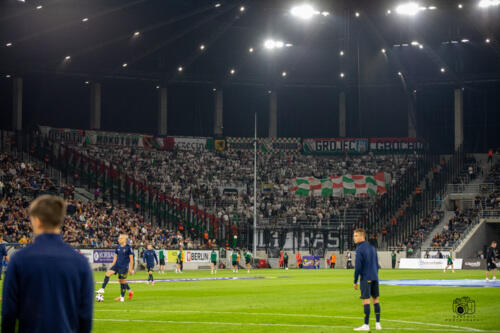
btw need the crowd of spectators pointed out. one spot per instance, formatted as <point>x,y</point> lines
<point>454,229</point>
<point>221,183</point>
<point>87,224</point>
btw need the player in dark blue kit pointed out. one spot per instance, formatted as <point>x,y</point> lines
<point>123,263</point>
<point>367,268</point>
<point>149,258</point>
<point>3,254</point>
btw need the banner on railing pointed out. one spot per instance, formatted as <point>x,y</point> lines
<point>395,145</point>
<point>63,135</point>
<point>329,146</point>
<point>102,138</point>
<point>310,262</point>
<point>265,145</point>
<point>103,256</point>
<point>185,143</point>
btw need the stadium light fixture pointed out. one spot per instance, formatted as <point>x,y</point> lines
<point>421,46</point>
<point>408,9</point>
<point>460,6</point>
<point>124,65</point>
<point>400,74</point>
<point>39,7</point>
<point>7,76</point>
<point>250,50</point>
<point>214,89</point>
<point>180,69</point>
<point>67,58</point>
<point>432,7</point>
<point>242,8</point>
<point>443,69</point>
<point>415,43</point>
<point>464,40</point>
<point>356,14</point>
<point>488,3</point>
<point>217,5</point>
<point>85,19</point>
<point>87,82</point>
<point>325,13</point>
<point>389,12</point>
<point>271,44</point>
<point>304,12</point>
<point>232,71</point>
<point>288,45</point>
<point>157,87</point>
<point>202,47</point>
<point>487,40</point>
<point>9,44</point>
<point>383,51</point>
<point>137,33</point>
<point>342,75</point>
<point>341,53</point>
<point>283,74</point>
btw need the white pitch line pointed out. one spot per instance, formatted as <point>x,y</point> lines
<point>265,324</point>
<point>459,328</point>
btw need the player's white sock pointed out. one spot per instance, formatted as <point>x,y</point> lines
<point>494,278</point>
<point>122,299</point>
<point>453,271</point>
<point>378,327</point>
<point>100,291</point>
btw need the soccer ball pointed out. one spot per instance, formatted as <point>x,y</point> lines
<point>99,297</point>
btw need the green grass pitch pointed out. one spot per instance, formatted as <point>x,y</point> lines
<point>307,301</point>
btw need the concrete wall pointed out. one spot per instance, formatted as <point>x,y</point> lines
<point>483,235</point>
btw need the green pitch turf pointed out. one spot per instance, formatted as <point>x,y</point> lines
<point>306,301</point>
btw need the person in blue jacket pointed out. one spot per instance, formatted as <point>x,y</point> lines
<point>48,286</point>
<point>366,268</point>
<point>149,258</point>
<point>3,255</point>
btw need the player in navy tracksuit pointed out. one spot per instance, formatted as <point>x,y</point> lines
<point>123,263</point>
<point>3,254</point>
<point>48,286</point>
<point>149,258</point>
<point>366,267</point>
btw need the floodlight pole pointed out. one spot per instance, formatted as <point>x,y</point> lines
<point>255,189</point>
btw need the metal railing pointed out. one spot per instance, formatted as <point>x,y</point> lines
<point>470,188</point>
<point>487,213</point>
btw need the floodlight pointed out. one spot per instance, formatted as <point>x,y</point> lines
<point>400,74</point>
<point>180,69</point>
<point>39,7</point>
<point>217,5</point>
<point>67,57</point>
<point>283,74</point>
<point>432,8</point>
<point>356,14</point>
<point>325,13</point>
<point>279,44</point>
<point>232,71</point>
<point>443,70</point>
<point>409,9</point>
<point>460,6</point>
<point>464,40</point>
<point>250,50</point>
<point>124,64</point>
<point>383,51</point>
<point>342,75</point>
<point>488,3</point>
<point>85,19</point>
<point>487,40</point>
<point>7,76</point>
<point>9,44</point>
<point>420,46</point>
<point>157,87</point>
<point>341,53</point>
<point>202,47</point>
<point>415,43</point>
<point>242,8</point>
<point>288,45</point>
<point>87,82</point>
<point>304,12</point>
<point>137,33</point>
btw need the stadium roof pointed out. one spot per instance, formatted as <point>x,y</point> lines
<point>195,41</point>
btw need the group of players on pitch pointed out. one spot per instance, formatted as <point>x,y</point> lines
<point>123,264</point>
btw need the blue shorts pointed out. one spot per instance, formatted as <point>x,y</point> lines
<point>121,271</point>
<point>150,268</point>
<point>369,289</point>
